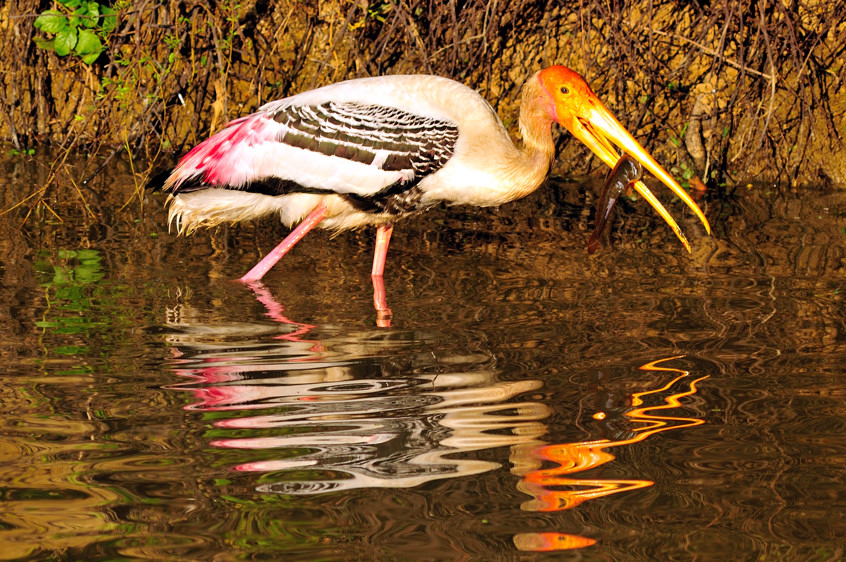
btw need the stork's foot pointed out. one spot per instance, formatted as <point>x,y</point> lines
<point>383,318</point>
<point>380,302</point>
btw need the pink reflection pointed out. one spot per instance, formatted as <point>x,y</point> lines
<point>277,312</point>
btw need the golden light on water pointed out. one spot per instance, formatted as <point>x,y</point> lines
<point>557,488</point>
<point>548,542</point>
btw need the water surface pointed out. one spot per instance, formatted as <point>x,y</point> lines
<point>528,401</point>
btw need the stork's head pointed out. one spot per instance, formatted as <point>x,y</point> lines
<point>576,108</point>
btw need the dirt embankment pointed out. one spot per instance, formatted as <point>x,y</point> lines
<point>722,90</point>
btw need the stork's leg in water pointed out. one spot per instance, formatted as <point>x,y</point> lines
<point>380,302</point>
<point>268,261</point>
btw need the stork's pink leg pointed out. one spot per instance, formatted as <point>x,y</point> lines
<point>383,238</point>
<point>380,302</point>
<point>268,261</point>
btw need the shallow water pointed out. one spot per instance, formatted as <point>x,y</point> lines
<point>528,401</point>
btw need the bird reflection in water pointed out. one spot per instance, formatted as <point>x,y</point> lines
<point>337,426</point>
<point>351,429</point>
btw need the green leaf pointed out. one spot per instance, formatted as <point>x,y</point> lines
<point>88,43</point>
<point>65,41</point>
<point>87,17</point>
<point>72,4</point>
<point>51,21</point>
<point>44,43</point>
<point>108,19</point>
<point>89,59</point>
<point>94,12</point>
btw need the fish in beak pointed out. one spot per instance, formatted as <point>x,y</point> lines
<point>580,111</point>
<point>620,181</point>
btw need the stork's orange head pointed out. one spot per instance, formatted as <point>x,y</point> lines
<point>580,111</point>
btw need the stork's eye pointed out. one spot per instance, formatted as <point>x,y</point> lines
<point>564,90</point>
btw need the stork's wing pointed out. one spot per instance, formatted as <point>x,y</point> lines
<point>346,148</point>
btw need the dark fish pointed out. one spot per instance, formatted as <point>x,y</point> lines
<point>626,172</point>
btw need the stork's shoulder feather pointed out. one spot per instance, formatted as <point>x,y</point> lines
<point>359,137</point>
<point>428,96</point>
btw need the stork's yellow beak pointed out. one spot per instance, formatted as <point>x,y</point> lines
<point>581,112</point>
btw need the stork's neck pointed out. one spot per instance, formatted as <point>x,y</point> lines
<point>529,168</point>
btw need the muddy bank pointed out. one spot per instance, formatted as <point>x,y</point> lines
<point>725,91</point>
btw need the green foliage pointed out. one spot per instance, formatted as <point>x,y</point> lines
<point>686,172</point>
<point>377,11</point>
<point>677,140</point>
<point>80,27</point>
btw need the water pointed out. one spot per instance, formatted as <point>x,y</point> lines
<point>529,401</point>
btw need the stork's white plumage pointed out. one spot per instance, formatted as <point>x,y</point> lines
<point>372,150</point>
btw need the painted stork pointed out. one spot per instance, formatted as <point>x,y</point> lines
<point>372,150</point>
